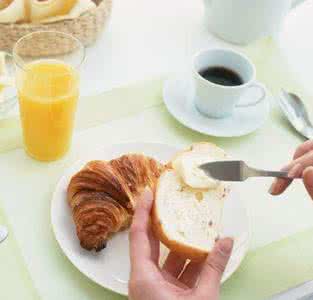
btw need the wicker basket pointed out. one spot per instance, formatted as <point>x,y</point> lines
<point>86,28</point>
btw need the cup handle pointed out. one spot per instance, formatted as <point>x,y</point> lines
<point>260,87</point>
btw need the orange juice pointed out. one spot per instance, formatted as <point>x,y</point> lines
<point>48,93</point>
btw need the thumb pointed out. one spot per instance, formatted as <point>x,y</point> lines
<point>308,180</point>
<point>213,269</point>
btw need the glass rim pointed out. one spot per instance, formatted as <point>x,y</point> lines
<point>14,50</point>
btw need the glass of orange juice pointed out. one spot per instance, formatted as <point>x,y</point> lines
<point>48,91</point>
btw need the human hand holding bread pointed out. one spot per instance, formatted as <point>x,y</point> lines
<point>177,279</point>
<point>301,165</point>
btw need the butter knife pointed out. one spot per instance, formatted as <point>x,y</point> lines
<point>238,170</point>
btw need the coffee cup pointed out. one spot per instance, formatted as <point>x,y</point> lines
<point>243,21</point>
<point>221,77</point>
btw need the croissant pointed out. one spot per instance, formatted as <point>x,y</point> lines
<point>103,195</point>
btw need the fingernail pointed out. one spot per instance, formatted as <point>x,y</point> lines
<point>272,187</point>
<point>225,246</point>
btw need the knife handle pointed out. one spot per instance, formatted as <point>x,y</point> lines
<point>277,174</point>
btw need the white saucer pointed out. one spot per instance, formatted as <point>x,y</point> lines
<point>178,97</point>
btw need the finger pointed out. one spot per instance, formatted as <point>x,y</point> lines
<point>140,248</point>
<point>305,160</point>
<point>308,180</point>
<point>280,185</point>
<point>155,247</point>
<point>303,149</point>
<point>174,264</point>
<point>191,273</point>
<point>213,269</point>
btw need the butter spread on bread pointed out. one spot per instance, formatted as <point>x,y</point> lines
<point>186,165</point>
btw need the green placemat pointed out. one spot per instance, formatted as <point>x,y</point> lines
<point>44,255</point>
<point>15,281</point>
<point>272,269</point>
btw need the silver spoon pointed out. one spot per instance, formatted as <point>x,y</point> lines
<point>3,233</point>
<point>295,111</point>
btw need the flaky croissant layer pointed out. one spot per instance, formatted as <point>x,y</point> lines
<point>103,195</point>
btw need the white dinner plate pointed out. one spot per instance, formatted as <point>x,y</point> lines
<point>110,267</point>
<point>178,96</point>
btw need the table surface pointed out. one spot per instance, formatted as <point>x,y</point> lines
<point>145,40</point>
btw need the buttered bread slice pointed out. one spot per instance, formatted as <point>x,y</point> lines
<point>188,205</point>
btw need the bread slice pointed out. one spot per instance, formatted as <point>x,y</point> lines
<point>187,211</point>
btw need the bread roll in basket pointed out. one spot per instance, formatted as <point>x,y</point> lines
<point>86,28</point>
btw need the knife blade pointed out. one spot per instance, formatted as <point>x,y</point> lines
<point>237,170</point>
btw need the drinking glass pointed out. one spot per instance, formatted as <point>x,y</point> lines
<point>48,91</point>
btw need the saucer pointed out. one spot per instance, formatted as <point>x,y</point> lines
<point>178,97</point>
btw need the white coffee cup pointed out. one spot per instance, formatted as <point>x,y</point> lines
<point>244,21</point>
<point>219,101</point>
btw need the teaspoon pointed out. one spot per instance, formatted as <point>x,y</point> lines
<point>295,111</point>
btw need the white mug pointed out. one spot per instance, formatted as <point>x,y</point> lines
<point>244,21</point>
<point>219,101</point>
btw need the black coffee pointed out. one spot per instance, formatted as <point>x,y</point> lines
<point>221,76</point>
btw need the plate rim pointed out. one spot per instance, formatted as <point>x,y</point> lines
<point>66,173</point>
<point>187,124</point>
